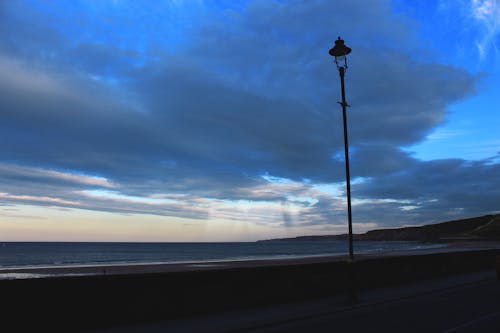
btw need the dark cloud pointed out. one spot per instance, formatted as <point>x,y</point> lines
<point>372,160</point>
<point>439,189</point>
<point>323,212</point>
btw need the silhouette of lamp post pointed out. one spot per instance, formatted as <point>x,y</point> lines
<point>339,52</point>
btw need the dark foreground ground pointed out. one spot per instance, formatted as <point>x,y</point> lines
<point>461,303</point>
<point>120,302</point>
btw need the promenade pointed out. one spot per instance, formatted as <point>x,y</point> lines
<point>460,303</point>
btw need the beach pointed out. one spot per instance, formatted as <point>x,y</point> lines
<point>46,271</point>
<point>76,298</point>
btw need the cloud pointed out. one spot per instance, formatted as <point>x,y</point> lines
<point>438,190</point>
<point>479,19</point>
<point>10,171</point>
<point>487,14</point>
<point>201,118</point>
<point>38,200</point>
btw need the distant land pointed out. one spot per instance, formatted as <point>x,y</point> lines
<point>483,228</point>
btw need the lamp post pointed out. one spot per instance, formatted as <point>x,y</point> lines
<point>339,52</point>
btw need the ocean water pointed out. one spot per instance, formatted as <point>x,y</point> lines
<point>17,254</point>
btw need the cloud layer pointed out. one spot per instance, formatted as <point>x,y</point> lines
<point>234,105</point>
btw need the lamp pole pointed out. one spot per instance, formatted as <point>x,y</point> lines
<point>339,52</point>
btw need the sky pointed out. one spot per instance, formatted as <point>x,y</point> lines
<point>217,120</point>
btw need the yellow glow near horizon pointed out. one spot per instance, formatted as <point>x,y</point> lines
<point>37,223</point>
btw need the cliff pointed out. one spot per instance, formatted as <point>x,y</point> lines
<point>478,228</point>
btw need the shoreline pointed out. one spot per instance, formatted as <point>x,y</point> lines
<point>56,271</point>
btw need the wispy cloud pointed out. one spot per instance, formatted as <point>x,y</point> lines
<point>38,199</point>
<point>19,172</point>
<point>481,18</point>
<point>487,14</point>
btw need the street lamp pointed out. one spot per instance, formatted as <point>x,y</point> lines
<point>339,52</point>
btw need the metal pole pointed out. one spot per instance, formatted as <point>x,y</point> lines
<point>347,173</point>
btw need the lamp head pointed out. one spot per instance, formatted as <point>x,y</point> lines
<point>339,52</point>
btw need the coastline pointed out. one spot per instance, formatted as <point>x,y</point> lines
<point>55,271</point>
<point>42,255</point>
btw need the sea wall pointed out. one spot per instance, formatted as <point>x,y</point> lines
<point>71,303</point>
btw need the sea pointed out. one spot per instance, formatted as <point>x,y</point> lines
<point>48,254</point>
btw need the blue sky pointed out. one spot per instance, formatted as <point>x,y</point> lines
<point>463,34</point>
<point>217,120</point>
